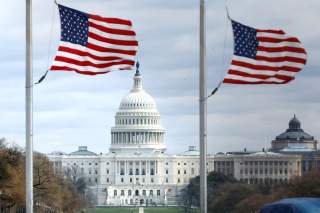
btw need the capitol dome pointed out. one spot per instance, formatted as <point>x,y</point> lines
<point>137,122</point>
<point>138,98</point>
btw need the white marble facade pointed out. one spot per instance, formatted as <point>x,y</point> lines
<point>136,170</point>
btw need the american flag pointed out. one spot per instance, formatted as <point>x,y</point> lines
<point>264,56</point>
<point>91,44</point>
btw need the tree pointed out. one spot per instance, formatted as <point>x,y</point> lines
<point>50,191</point>
<point>305,186</point>
<point>228,196</point>
<point>252,198</point>
<point>72,173</point>
<point>11,176</point>
<point>191,193</point>
<point>253,203</point>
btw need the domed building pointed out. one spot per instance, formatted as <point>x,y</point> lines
<point>136,170</point>
<point>294,139</point>
<point>137,123</point>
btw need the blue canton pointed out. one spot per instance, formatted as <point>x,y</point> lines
<point>245,40</point>
<point>74,26</point>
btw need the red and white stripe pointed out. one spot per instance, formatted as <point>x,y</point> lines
<point>112,45</point>
<point>279,58</point>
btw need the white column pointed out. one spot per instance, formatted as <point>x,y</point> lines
<point>134,137</point>
<point>129,137</point>
<point>140,171</point>
<point>147,140</point>
<point>125,168</point>
<point>156,165</point>
<point>118,170</point>
<point>143,138</point>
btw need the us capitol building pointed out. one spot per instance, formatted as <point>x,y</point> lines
<point>137,170</point>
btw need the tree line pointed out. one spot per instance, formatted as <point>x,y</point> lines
<point>51,191</point>
<point>227,195</point>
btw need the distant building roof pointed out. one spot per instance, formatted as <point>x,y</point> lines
<point>192,151</point>
<point>83,150</point>
<point>244,152</point>
<point>57,153</point>
<point>265,154</point>
<point>296,149</point>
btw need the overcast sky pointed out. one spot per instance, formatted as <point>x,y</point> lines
<point>72,110</point>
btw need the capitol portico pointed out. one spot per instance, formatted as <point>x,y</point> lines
<point>136,170</point>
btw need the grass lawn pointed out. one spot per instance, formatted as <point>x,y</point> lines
<point>135,210</point>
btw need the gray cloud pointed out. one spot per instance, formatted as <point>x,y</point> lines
<point>72,110</point>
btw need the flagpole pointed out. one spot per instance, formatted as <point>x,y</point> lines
<point>29,93</point>
<point>203,110</point>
